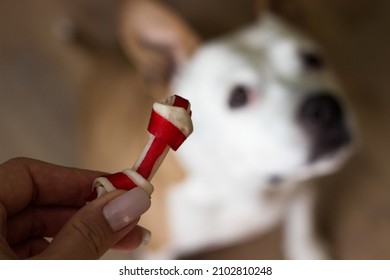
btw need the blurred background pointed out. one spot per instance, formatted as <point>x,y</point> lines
<point>50,49</point>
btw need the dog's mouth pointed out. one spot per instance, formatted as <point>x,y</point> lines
<point>330,140</point>
<point>275,180</point>
<point>329,144</point>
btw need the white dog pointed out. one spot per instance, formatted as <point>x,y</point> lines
<point>266,120</point>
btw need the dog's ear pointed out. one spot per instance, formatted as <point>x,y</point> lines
<point>262,6</point>
<point>156,39</point>
<point>290,10</point>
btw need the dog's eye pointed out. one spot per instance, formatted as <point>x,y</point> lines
<point>239,97</point>
<point>312,60</point>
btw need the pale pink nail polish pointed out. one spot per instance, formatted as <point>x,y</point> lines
<point>146,236</point>
<point>126,208</point>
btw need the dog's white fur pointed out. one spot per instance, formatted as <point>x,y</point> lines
<point>233,154</point>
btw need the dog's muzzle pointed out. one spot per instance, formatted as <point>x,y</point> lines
<point>321,115</point>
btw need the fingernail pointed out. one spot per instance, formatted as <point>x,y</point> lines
<point>126,208</point>
<point>146,236</point>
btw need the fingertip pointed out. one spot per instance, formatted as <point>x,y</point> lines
<point>126,208</point>
<point>146,236</point>
<point>139,236</point>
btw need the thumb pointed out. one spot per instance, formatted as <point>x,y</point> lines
<point>98,225</point>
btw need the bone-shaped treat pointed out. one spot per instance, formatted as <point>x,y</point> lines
<point>169,126</point>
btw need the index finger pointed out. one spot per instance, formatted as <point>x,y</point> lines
<point>27,181</point>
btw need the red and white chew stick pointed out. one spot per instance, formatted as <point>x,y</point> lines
<point>169,126</point>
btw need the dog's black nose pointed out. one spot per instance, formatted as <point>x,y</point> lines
<point>321,111</point>
<point>322,117</point>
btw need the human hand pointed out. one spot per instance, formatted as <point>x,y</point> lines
<point>39,199</point>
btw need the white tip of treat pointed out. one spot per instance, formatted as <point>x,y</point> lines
<point>178,116</point>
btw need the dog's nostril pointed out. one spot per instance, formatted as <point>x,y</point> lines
<point>321,110</point>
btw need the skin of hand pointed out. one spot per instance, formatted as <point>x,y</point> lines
<point>38,200</point>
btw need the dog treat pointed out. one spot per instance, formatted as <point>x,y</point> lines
<point>169,126</point>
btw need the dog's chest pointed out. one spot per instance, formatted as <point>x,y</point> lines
<point>199,219</point>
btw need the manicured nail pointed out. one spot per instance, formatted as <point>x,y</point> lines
<point>146,236</point>
<point>126,208</point>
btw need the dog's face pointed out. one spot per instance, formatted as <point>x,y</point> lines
<point>265,107</point>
